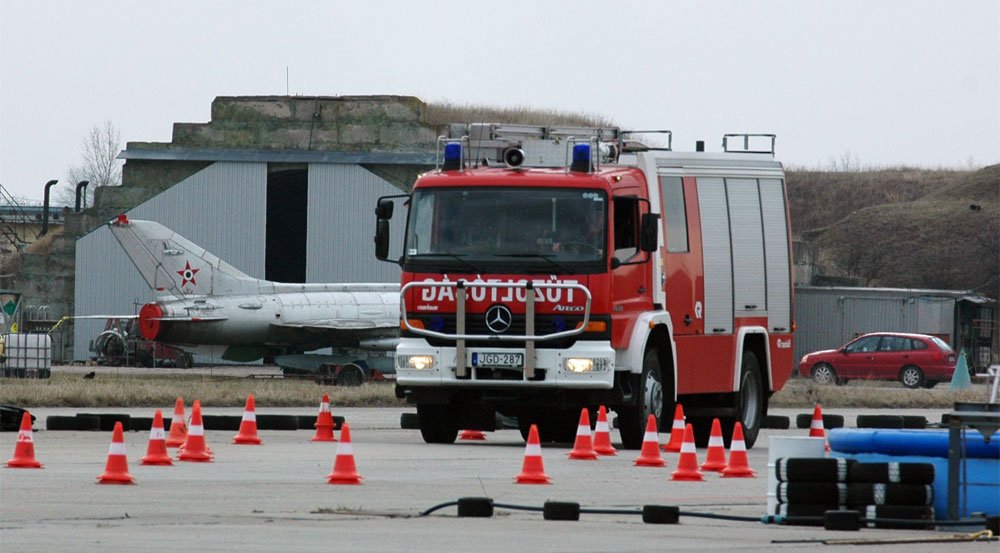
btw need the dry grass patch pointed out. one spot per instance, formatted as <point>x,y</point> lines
<point>71,390</point>
<point>806,393</point>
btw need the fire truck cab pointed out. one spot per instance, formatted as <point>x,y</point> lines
<point>546,270</point>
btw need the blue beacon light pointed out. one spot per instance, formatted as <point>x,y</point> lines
<point>581,158</point>
<point>452,156</point>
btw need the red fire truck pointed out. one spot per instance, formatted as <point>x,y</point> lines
<point>545,270</point>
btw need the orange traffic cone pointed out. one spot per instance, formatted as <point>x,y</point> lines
<point>344,470</point>
<point>156,451</point>
<point>324,422</point>
<point>715,459</point>
<point>116,471</point>
<point>738,466</point>
<point>583,447</point>
<point>649,455</point>
<point>533,471</point>
<point>194,448</point>
<point>472,435</point>
<point>602,436</point>
<point>24,451</point>
<point>816,429</point>
<point>248,426</point>
<point>676,431</point>
<point>687,465</point>
<point>178,428</point>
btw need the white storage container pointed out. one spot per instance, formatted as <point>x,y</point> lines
<point>28,352</point>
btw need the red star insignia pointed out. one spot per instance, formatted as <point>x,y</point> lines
<point>187,274</point>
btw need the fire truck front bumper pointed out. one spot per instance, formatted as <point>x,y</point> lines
<point>585,365</point>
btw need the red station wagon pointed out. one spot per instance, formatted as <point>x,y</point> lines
<point>916,360</point>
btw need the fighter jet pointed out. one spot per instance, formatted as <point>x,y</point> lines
<point>206,306</point>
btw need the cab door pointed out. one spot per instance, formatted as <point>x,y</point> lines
<point>630,278</point>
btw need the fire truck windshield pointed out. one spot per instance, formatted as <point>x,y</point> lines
<point>490,229</point>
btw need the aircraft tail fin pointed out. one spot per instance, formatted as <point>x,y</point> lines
<point>172,264</point>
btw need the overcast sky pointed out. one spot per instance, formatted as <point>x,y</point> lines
<point>880,82</point>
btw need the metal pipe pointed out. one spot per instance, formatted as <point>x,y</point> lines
<point>82,184</point>
<point>45,208</point>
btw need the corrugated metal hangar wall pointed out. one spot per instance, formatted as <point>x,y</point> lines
<point>223,208</point>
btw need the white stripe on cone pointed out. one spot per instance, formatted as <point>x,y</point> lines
<point>157,434</point>
<point>249,416</point>
<point>679,424</point>
<point>345,448</point>
<point>687,447</point>
<point>583,430</point>
<point>25,436</point>
<point>196,430</point>
<point>533,450</point>
<point>324,407</point>
<point>714,441</point>
<point>816,424</point>
<point>117,448</point>
<point>650,437</point>
<point>737,445</point>
<point>602,426</point>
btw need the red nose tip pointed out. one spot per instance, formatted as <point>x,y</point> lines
<point>149,323</point>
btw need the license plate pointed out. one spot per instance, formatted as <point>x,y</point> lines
<point>498,360</point>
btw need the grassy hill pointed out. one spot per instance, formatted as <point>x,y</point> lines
<point>903,227</point>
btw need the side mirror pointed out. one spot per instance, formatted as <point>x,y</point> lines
<point>383,210</point>
<point>382,236</point>
<point>648,232</point>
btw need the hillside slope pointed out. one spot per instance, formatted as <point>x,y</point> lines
<point>921,229</point>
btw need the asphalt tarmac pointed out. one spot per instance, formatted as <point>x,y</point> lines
<point>274,497</point>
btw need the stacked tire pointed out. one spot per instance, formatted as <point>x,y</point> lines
<point>892,491</point>
<point>809,487</point>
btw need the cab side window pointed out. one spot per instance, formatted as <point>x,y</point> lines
<point>626,228</point>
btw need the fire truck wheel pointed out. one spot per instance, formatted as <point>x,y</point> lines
<point>632,418</point>
<point>437,425</point>
<point>750,401</point>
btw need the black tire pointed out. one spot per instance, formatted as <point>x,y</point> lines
<point>106,421</point>
<point>226,422</point>
<point>914,422</point>
<point>804,420</point>
<point>437,425</point>
<point>558,426</point>
<point>824,374</point>
<point>751,402</point>
<point>409,421</point>
<point>632,418</point>
<point>911,376</point>
<point>59,422</point>
<point>140,424</point>
<point>350,375</point>
<point>776,422</point>
<point>879,421</point>
<point>87,423</point>
<point>275,422</point>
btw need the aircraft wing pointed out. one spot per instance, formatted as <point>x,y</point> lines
<point>326,325</point>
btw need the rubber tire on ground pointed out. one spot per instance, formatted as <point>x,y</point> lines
<point>276,422</point>
<point>224,422</point>
<point>561,510</point>
<point>824,374</point>
<point>914,422</point>
<point>632,418</point>
<point>60,422</point>
<point>751,382</point>
<point>842,520</point>
<point>437,425</point>
<point>777,422</point>
<point>87,423</point>
<point>108,420</point>
<point>350,375</point>
<point>558,426</point>
<point>660,514</point>
<point>913,374</point>
<point>879,421</point>
<point>804,420</point>
<point>476,507</point>
<point>409,421</point>
<point>140,424</point>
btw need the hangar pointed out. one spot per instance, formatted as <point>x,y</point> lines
<point>282,188</point>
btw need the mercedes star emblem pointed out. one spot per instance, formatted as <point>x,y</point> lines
<point>498,319</point>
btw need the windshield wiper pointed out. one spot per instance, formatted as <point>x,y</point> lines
<point>457,257</point>
<point>548,258</point>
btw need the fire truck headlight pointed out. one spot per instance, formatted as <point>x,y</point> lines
<point>585,365</point>
<point>416,362</point>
